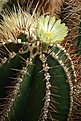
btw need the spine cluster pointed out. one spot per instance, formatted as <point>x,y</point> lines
<point>47,97</point>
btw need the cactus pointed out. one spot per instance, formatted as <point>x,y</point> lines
<point>79,40</point>
<point>39,74</point>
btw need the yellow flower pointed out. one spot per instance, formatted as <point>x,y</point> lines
<point>51,31</point>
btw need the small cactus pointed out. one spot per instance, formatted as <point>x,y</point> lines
<point>39,76</point>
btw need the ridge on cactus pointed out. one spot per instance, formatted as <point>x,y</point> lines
<point>39,78</point>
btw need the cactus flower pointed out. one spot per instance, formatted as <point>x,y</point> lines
<point>50,30</point>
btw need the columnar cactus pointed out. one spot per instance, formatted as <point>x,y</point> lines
<point>39,73</point>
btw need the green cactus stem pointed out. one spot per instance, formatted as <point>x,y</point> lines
<point>49,70</point>
<point>40,77</point>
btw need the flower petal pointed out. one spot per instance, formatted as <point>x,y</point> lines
<point>57,24</point>
<point>41,22</point>
<point>59,31</point>
<point>46,20</point>
<point>51,23</point>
